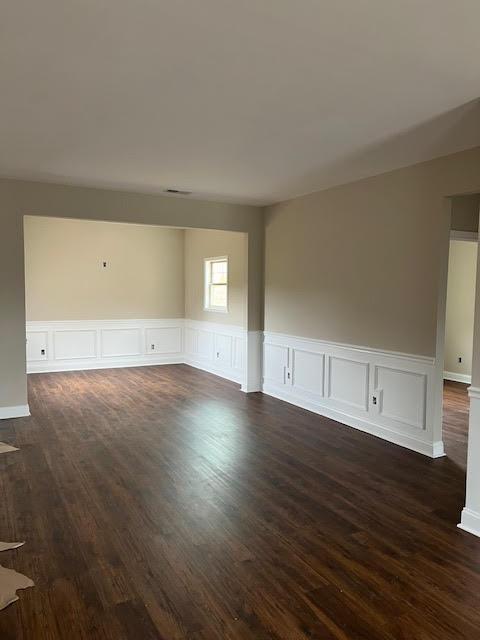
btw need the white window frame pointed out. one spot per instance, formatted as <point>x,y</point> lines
<point>207,284</point>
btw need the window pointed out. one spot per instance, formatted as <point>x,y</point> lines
<point>216,284</point>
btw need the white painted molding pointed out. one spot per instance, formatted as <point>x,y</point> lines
<point>252,381</point>
<point>387,394</point>
<point>73,345</point>
<point>20,411</point>
<point>457,377</point>
<point>470,522</point>
<point>215,347</point>
<point>216,327</point>
<point>474,392</point>
<point>469,236</point>
<point>279,337</point>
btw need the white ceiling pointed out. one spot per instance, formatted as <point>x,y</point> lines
<point>247,100</point>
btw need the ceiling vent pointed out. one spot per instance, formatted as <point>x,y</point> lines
<point>178,192</point>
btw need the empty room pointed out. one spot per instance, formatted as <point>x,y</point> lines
<point>239,320</point>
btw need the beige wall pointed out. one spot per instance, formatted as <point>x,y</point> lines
<point>465,212</point>
<point>361,263</point>
<point>65,280</point>
<point>462,270</point>
<point>200,244</point>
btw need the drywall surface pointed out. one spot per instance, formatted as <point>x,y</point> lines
<point>462,271</point>
<point>65,278</point>
<point>359,264</point>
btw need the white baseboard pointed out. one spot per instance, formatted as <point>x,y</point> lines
<point>20,411</point>
<point>204,366</point>
<point>389,395</point>
<point>78,365</point>
<point>432,450</point>
<point>457,377</point>
<point>470,522</point>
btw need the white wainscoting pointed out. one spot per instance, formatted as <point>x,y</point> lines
<point>97,344</point>
<point>217,348</point>
<point>390,395</point>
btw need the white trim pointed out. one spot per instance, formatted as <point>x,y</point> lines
<point>207,284</point>
<point>273,335</point>
<point>75,345</point>
<point>252,380</point>
<point>470,522</point>
<point>20,411</point>
<point>216,327</point>
<point>457,377</point>
<point>217,348</point>
<point>474,392</point>
<point>101,363</point>
<point>65,325</point>
<point>468,236</point>
<point>216,371</point>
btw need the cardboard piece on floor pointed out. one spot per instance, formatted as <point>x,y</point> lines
<point>10,582</point>
<point>5,448</point>
<point>6,546</point>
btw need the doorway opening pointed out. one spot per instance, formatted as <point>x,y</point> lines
<point>103,295</point>
<point>459,322</point>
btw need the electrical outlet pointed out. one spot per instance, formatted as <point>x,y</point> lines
<point>104,264</point>
<point>376,400</point>
<point>218,354</point>
<point>152,347</point>
<point>42,352</point>
<point>459,358</point>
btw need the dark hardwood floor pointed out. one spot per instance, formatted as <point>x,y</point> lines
<point>456,406</point>
<point>162,503</point>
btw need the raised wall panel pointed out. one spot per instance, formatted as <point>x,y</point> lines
<point>402,383</point>
<point>238,353</point>
<point>348,382</point>
<point>69,345</point>
<point>205,344</point>
<point>121,342</point>
<point>274,363</point>
<point>164,339</point>
<point>223,349</point>
<point>36,342</point>
<point>214,347</point>
<point>191,340</point>
<point>307,372</point>
<point>403,396</point>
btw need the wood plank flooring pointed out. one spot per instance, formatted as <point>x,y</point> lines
<point>163,503</point>
<point>456,406</point>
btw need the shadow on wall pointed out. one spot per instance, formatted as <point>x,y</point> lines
<point>446,133</point>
